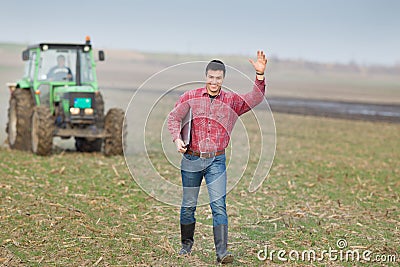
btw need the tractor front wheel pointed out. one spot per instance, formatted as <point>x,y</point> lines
<point>42,131</point>
<point>116,129</point>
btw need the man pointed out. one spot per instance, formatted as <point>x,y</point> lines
<point>60,72</point>
<point>214,113</point>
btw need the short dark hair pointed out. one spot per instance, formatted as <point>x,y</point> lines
<point>216,64</point>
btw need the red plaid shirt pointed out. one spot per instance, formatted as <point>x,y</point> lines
<point>213,121</point>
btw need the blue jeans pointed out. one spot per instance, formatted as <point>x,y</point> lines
<point>193,169</point>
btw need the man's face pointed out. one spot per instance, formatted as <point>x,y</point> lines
<point>61,61</point>
<point>214,79</point>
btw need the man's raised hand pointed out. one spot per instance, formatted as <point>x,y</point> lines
<point>261,62</point>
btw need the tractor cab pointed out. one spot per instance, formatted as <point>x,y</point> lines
<point>50,67</point>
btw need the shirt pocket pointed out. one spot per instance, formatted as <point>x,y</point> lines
<point>222,119</point>
<point>199,114</point>
<point>221,116</point>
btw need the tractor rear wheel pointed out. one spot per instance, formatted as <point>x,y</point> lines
<point>116,129</point>
<point>42,131</point>
<point>19,119</point>
<point>99,110</point>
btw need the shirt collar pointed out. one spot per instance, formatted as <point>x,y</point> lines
<point>204,92</point>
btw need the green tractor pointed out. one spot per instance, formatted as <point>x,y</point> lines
<point>59,96</point>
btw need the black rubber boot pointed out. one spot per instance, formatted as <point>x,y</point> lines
<point>221,244</point>
<point>187,233</point>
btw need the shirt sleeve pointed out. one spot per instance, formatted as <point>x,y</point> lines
<point>244,103</point>
<point>176,115</point>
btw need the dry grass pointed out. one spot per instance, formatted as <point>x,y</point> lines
<point>330,179</point>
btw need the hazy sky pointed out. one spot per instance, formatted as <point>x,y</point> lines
<point>364,31</point>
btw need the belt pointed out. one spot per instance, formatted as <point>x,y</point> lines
<point>205,154</point>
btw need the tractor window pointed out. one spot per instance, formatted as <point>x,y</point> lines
<point>26,70</point>
<point>29,71</point>
<point>32,66</point>
<point>57,65</point>
<point>86,68</point>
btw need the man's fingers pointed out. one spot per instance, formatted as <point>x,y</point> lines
<point>261,60</point>
<point>182,149</point>
<point>180,146</point>
<point>262,57</point>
